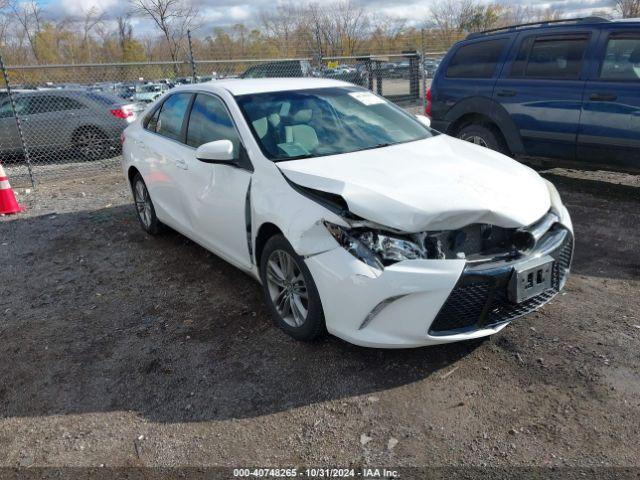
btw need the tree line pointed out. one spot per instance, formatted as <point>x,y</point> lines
<point>29,34</point>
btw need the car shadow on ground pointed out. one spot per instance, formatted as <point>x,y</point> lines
<point>605,217</point>
<point>100,317</point>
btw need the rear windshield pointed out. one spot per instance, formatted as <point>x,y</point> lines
<point>327,121</point>
<point>103,98</point>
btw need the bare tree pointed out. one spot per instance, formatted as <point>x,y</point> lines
<point>628,8</point>
<point>172,17</point>
<point>29,15</point>
<point>280,25</point>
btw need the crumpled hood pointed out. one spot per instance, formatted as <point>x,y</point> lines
<point>439,183</point>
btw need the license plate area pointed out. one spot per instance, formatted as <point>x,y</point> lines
<point>530,278</point>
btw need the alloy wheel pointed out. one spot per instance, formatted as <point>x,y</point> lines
<point>143,203</point>
<point>90,144</point>
<point>476,139</point>
<point>287,288</point>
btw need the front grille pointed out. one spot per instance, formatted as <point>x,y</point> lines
<point>480,300</point>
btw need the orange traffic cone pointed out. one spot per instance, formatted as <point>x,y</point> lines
<point>8,202</point>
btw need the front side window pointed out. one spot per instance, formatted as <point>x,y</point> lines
<point>152,121</point>
<point>172,115</point>
<point>209,121</point>
<point>622,59</point>
<point>326,121</point>
<point>552,57</point>
<point>477,60</point>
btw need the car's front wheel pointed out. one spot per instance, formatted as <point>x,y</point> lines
<point>290,291</point>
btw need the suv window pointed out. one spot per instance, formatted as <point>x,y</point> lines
<point>477,60</point>
<point>552,57</point>
<point>622,58</point>
<point>209,121</point>
<point>172,115</point>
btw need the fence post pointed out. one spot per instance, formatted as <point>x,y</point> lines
<point>424,73</point>
<point>25,148</point>
<point>193,62</point>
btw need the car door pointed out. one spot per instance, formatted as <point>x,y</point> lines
<point>215,195</point>
<point>541,90</point>
<point>161,149</point>
<point>610,123</point>
<point>9,138</point>
<point>51,120</point>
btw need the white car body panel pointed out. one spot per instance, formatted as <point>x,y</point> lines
<point>432,184</point>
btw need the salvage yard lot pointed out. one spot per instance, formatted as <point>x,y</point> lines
<point>122,349</point>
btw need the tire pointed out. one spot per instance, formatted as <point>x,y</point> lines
<point>484,136</point>
<point>145,211</point>
<point>91,143</point>
<point>290,282</point>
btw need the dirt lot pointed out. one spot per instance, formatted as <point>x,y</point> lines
<point>122,349</point>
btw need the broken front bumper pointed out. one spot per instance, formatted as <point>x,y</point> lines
<point>423,302</point>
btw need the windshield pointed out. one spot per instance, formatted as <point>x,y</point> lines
<point>150,88</point>
<point>327,121</point>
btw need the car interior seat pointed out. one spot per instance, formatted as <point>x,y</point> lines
<point>297,129</point>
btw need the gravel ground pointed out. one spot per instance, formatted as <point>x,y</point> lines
<point>120,349</point>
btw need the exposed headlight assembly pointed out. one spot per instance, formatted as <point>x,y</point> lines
<point>374,248</point>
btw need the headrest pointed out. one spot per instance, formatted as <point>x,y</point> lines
<point>635,55</point>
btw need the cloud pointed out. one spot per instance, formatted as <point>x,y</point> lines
<point>225,13</point>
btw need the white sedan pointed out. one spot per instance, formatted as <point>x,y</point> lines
<point>356,217</point>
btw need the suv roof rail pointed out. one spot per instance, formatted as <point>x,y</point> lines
<point>569,21</point>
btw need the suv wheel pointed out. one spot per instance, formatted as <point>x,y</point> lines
<point>483,136</point>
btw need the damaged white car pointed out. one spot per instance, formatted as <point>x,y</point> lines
<point>355,216</point>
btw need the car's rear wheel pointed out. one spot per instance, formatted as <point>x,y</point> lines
<point>484,136</point>
<point>91,143</point>
<point>290,291</point>
<point>145,210</point>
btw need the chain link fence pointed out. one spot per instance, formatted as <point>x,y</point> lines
<point>66,120</point>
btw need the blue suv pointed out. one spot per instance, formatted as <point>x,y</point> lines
<point>563,92</point>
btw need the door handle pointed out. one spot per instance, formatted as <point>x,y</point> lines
<point>603,97</point>
<point>506,93</point>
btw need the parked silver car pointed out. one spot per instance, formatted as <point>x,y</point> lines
<point>65,123</point>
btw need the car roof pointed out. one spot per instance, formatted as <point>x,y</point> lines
<point>553,24</point>
<point>242,86</point>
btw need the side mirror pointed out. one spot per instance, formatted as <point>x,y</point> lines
<point>426,121</point>
<point>220,151</point>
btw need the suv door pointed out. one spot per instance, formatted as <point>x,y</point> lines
<point>215,195</point>
<point>541,89</point>
<point>610,124</point>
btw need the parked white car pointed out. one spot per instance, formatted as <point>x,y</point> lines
<point>149,92</point>
<point>355,216</point>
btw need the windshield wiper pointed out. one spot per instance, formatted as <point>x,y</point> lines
<point>380,145</point>
<point>296,157</point>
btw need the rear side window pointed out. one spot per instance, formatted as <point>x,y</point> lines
<point>477,60</point>
<point>103,98</point>
<point>45,104</point>
<point>622,59</point>
<point>556,57</point>
<point>172,115</point>
<point>209,121</point>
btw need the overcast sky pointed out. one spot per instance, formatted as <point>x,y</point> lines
<point>228,12</point>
